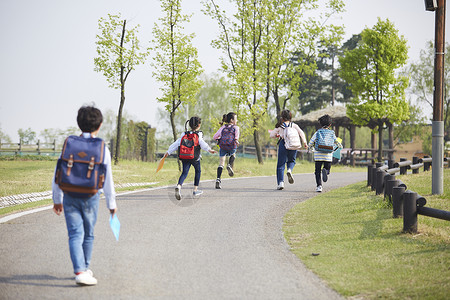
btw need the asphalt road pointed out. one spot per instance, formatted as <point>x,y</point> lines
<point>225,244</point>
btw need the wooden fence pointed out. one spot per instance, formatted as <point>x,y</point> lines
<point>21,148</point>
<point>405,203</point>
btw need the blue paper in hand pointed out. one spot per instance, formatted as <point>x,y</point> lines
<point>115,225</point>
<point>337,153</point>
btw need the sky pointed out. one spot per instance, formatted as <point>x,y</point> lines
<point>48,48</point>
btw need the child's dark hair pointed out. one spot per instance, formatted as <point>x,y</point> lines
<point>194,122</point>
<point>325,121</point>
<point>285,115</point>
<point>228,117</point>
<point>89,118</point>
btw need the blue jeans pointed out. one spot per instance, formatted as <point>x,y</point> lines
<point>226,152</point>
<point>186,166</point>
<point>285,157</point>
<point>81,216</point>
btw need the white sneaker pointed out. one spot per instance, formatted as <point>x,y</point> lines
<point>85,278</point>
<point>319,189</point>
<point>230,170</point>
<point>177,192</point>
<point>280,186</point>
<point>197,192</point>
<point>289,176</point>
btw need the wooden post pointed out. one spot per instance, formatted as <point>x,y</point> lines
<point>397,201</point>
<point>409,212</point>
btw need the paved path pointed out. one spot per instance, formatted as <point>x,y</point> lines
<point>226,244</point>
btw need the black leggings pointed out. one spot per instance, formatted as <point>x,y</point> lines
<point>318,171</point>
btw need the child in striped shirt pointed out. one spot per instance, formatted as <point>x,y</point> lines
<point>323,157</point>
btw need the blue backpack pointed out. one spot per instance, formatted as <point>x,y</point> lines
<point>325,140</point>
<point>227,138</point>
<point>80,171</point>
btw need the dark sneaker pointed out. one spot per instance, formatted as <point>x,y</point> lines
<point>230,171</point>
<point>289,176</point>
<point>177,193</point>
<point>218,184</point>
<point>324,175</point>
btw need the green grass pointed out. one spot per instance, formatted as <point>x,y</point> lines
<point>362,251</point>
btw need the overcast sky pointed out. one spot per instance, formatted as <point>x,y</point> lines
<point>48,46</point>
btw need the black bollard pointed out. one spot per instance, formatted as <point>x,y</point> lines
<point>380,182</point>
<point>397,201</point>
<point>409,212</point>
<point>415,160</point>
<point>403,170</point>
<point>388,186</point>
<point>369,175</point>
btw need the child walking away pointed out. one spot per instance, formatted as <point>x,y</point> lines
<point>82,173</point>
<point>291,139</point>
<point>228,140</point>
<point>324,143</point>
<point>188,146</point>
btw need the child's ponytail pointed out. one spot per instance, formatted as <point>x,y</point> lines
<point>227,118</point>
<point>194,122</point>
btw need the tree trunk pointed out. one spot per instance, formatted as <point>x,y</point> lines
<point>391,141</point>
<point>122,99</point>
<point>373,142</point>
<point>257,142</point>
<point>380,142</point>
<point>174,132</point>
<point>119,125</point>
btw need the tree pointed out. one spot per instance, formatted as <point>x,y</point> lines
<point>422,81</point>
<point>4,138</point>
<point>27,136</point>
<point>369,69</point>
<point>118,54</point>
<point>240,40</point>
<point>292,47</point>
<point>176,61</point>
<point>257,41</point>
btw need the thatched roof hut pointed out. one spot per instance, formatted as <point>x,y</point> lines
<point>337,113</point>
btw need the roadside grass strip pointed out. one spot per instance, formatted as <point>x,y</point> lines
<point>349,238</point>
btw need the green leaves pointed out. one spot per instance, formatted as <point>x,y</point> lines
<point>118,50</point>
<point>370,70</point>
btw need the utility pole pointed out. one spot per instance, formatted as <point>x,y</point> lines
<point>438,101</point>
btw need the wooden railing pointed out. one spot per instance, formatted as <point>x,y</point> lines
<point>21,148</point>
<point>405,203</point>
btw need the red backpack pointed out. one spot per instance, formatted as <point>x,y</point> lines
<point>189,146</point>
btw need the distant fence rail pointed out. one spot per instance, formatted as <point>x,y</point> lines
<point>405,203</point>
<point>21,148</point>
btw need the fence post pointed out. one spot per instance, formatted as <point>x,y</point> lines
<point>409,212</point>
<point>426,165</point>
<point>380,182</point>
<point>388,186</point>
<point>415,160</point>
<point>403,170</point>
<point>397,201</point>
<point>369,174</point>
<point>374,176</point>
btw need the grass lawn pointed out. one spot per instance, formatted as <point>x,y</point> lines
<point>362,251</point>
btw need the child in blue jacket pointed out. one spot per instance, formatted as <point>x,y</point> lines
<point>325,156</point>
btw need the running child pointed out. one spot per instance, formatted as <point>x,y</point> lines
<point>324,143</point>
<point>291,139</point>
<point>189,145</point>
<point>228,140</point>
